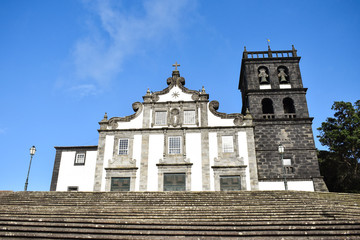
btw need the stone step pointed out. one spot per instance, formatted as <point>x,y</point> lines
<point>82,233</point>
<point>218,227</point>
<point>191,215</point>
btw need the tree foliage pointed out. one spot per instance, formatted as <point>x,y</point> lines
<point>341,134</point>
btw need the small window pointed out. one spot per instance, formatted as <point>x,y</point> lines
<point>80,159</point>
<point>160,118</point>
<point>121,184</point>
<point>227,144</point>
<point>189,117</point>
<point>175,145</point>
<point>73,188</point>
<point>123,146</point>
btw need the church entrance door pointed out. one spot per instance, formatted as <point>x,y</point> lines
<point>120,184</point>
<point>230,183</point>
<point>174,181</point>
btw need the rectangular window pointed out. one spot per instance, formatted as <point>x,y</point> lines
<point>73,188</point>
<point>80,159</point>
<point>227,144</point>
<point>174,145</point>
<point>160,118</point>
<point>189,117</point>
<point>123,146</point>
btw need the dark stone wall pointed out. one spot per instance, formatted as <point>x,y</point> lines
<point>277,96</point>
<point>292,64</point>
<point>297,138</point>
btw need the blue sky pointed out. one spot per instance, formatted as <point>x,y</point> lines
<point>63,64</point>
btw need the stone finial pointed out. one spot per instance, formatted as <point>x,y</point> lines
<point>203,90</point>
<point>148,92</point>
<point>105,119</point>
<point>248,115</point>
<point>294,51</point>
<point>244,48</point>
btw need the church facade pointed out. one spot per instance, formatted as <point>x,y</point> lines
<point>177,140</point>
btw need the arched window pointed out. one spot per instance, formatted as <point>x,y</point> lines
<point>263,74</point>
<point>288,104</point>
<point>283,74</point>
<point>267,106</point>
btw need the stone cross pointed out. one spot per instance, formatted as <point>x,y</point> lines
<point>176,65</point>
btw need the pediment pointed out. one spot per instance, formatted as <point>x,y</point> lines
<point>175,92</point>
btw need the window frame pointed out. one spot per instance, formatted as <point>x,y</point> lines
<point>193,117</point>
<point>126,151</point>
<point>163,118</point>
<point>171,150</point>
<point>227,140</point>
<point>76,162</point>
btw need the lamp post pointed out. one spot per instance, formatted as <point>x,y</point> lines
<point>281,150</point>
<point>32,152</point>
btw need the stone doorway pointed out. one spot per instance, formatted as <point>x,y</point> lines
<point>174,181</point>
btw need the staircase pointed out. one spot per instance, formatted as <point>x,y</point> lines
<point>179,215</point>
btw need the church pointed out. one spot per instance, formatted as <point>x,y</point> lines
<point>178,141</point>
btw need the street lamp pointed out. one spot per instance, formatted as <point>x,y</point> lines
<point>281,150</point>
<point>32,152</point>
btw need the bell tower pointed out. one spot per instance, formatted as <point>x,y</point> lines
<point>272,91</point>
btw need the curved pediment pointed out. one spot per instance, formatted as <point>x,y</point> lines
<point>175,92</point>
<point>113,123</point>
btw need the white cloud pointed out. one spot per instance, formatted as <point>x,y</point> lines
<point>117,32</point>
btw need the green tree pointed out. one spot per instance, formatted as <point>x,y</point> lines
<point>341,134</point>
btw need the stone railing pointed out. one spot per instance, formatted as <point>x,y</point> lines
<point>270,54</point>
<point>290,115</point>
<point>268,116</point>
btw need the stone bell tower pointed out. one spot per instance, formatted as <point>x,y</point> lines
<point>273,92</point>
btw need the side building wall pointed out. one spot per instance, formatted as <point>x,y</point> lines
<point>70,175</point>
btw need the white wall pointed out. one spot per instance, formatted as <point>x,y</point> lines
<point>292,185</point>
<point>81,176</point>
<point>108,154</point>
<point>156,150</point>
<point>243,153</point>
<point>217,121</point>
<point>132,124</point>
<point>181,96</point>
<point>137,157</point>
<point>213,153</point>
<point>193,152</point>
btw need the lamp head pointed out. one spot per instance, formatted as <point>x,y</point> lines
<point>281,149</point>
<point>32,150</point>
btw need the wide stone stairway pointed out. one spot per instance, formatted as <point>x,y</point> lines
<point>169,215</point>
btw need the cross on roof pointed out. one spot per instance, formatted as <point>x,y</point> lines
<point>176,65</point>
